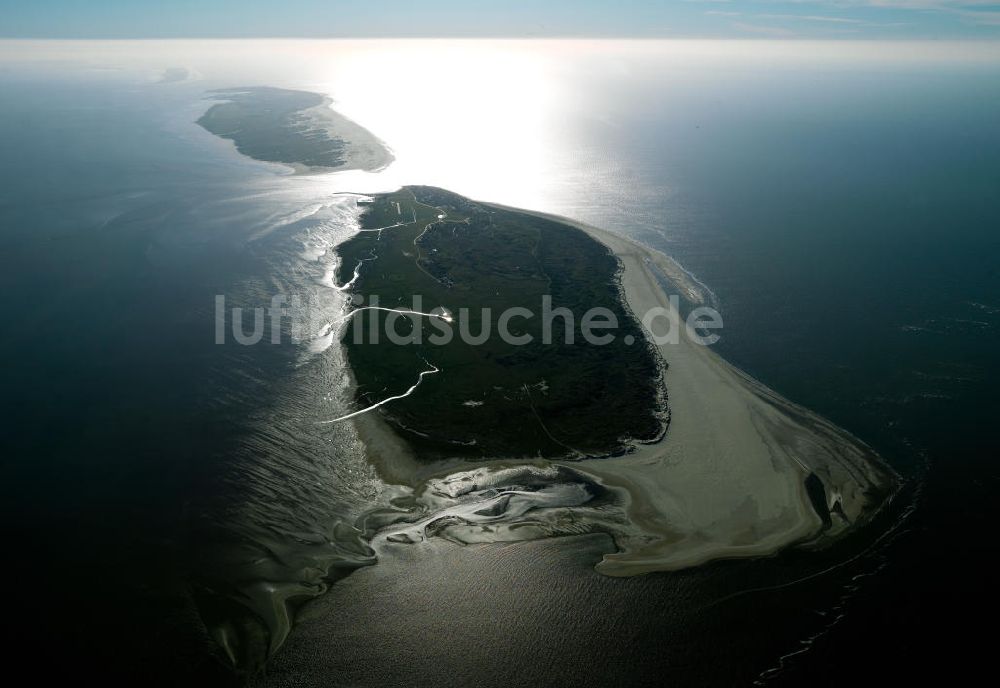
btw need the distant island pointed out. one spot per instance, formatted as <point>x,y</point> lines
<point>295,128</point>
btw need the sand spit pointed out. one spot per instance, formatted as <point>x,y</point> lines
<point>363,150</point>
<point>740,472</point>
<point>729,478</point>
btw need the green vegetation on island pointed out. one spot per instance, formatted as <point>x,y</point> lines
<point>292,127</point>
<point>495,399</point>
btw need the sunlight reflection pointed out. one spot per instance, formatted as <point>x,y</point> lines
<point>475,117</point>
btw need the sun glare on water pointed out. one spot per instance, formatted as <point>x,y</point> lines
<point>476,118</point>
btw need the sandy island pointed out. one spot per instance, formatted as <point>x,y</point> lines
<point>727,480</point>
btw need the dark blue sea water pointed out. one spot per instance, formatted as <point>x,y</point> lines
<point>162,491</point>
<point>848,223</point>
<point>161,487</point>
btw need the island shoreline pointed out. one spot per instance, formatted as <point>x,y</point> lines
<point>857,482</point>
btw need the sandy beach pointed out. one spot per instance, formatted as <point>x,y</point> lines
<point>728,479</point>
<point>363,151</point>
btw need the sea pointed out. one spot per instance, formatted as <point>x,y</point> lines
<point>173,503</point>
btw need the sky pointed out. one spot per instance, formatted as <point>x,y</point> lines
<point>804,19</point>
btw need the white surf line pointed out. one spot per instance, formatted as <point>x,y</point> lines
<point>377,238</point>
<point>357,274</point>
<point>420,378</point>
<point>896,528</point>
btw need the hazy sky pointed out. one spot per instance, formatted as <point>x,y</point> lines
<point>457,18</point>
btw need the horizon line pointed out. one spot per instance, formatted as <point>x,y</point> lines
<point>501,37</point>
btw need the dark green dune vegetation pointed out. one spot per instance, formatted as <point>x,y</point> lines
<point>496,399</point>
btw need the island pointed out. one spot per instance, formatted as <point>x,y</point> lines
<point>490,414</point>
<point>677,454</point>
<point>541,391</point>
<point>295,128</point>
